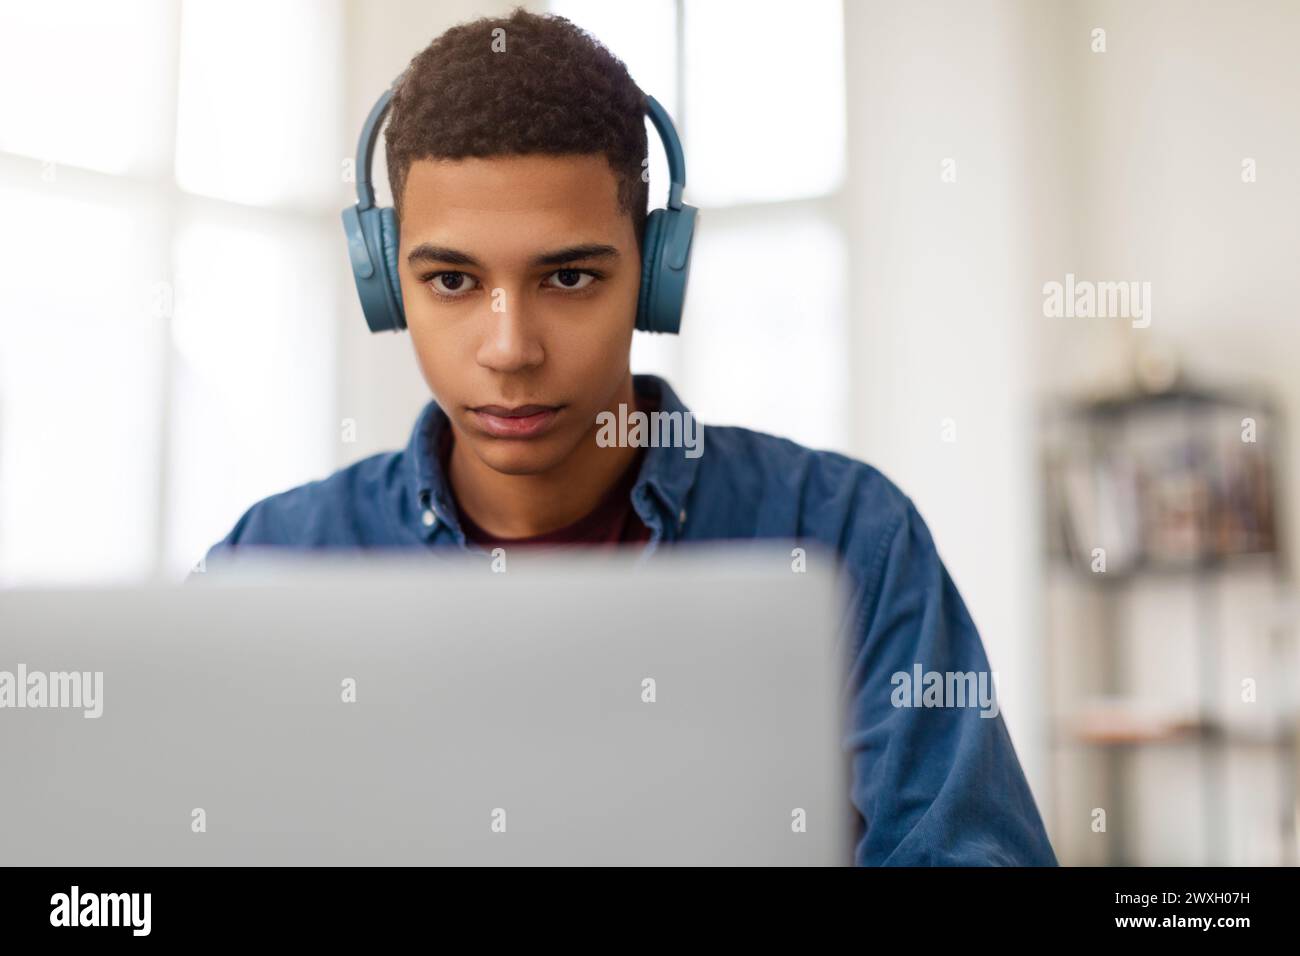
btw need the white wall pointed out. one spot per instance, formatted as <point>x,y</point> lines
<point>943,280</point>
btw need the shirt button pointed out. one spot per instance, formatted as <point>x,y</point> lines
<point>429,518</point>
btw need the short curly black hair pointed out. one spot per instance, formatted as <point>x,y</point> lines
<point>541,85</point>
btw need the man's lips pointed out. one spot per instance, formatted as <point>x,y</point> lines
<point>519,411</point>
<point>521,421</point>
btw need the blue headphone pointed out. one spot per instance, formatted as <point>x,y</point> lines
<point>372,235</point>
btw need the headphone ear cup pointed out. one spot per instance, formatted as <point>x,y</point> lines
<point>389,241</point>
<point>665,268</point>
<point>372,249</point>
<point>652,240</point>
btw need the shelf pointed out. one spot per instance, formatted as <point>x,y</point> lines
<point>1124,724</point>
<point>1255,561</point>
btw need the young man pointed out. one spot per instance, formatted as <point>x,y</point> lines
<point>515,151</point>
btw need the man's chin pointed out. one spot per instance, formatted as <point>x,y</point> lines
<point>519,456</point>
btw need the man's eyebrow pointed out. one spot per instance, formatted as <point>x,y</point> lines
<point>428,252</point>
<point>590,250</point>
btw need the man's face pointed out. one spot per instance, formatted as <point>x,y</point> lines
<point>519,279</point>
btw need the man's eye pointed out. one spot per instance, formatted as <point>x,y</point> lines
<point>570,279</point>
<point>452,283</point>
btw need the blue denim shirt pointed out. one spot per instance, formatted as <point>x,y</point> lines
<point>932,785</point>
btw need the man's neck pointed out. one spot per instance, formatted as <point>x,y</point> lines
<point>520,506</point>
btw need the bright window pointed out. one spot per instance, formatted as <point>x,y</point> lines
<point>171,178</point>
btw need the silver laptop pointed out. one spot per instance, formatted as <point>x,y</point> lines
<point>559,709</point>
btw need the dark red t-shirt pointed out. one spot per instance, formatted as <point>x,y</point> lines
<point>612,521</point>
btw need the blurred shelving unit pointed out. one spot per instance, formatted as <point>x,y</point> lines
<point>1171,631</point>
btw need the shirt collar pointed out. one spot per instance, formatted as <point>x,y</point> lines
<point>668,471</point>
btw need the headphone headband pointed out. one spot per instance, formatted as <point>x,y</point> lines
<point>366,148</point>
<point>369,138</point>
<point>672,149</point>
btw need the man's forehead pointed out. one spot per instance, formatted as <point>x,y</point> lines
<point>583,183</point>
<point>512,206</point>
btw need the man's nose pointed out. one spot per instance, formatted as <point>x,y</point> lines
<point>510,342</point>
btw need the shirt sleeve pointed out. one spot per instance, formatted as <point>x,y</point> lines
<point>934,774</point>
